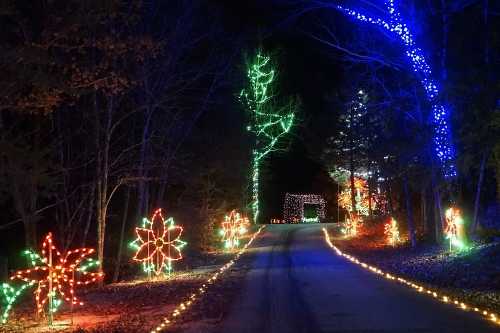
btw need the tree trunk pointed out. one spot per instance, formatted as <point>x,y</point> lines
<point>22,210</point>
<point>122,236</point>
<point>409,213</point>
<point>438,211</point>
<point>353,190</point>
<point>160,195</point>
<point>389,198</point>
<point>475,220</point>
<point>90,211</point>
<point>102,194</point>
<point>29,231</point>
<point>102,170</point>
<point>423,210</point>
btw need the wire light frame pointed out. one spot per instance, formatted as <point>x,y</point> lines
<point>293,210</point>
<point>158,244</point>
<point>56,275</point>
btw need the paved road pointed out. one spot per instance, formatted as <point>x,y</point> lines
<point>298,284</point>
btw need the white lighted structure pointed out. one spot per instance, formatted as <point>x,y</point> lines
<point>293,211</point>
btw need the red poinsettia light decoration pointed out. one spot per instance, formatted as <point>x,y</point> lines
<point>58,275</point>
<point>158,243</point>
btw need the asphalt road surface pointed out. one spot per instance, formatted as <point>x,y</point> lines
<point>298,284</point>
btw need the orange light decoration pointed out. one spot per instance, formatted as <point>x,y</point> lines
<point>391,232</point>
<point>454,230</point>
<point>233,227</point>
<point>418,288</point>
<point>158,243</point>
<point>245,225</point>
<point>58,276</point>
<point>361,197</point>
<point>351,226</point>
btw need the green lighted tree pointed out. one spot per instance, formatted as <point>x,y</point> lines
<point>270,120</point>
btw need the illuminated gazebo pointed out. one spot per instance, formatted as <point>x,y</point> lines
<point>294,212</point>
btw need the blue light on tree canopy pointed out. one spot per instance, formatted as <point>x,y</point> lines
<point>395,25</point>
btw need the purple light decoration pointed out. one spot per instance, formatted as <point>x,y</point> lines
<point>443,145</point>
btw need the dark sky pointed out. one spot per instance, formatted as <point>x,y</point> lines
<point>307,71</point>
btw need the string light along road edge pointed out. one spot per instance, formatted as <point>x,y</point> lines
<point>190,300</point>
<point>487,315</point>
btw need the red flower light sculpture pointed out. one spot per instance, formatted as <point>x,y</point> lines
<point>59,276</point>
<point>158,243</point>
<point>232,228</point>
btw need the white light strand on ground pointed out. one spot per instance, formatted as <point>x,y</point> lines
<point>195,296</point>
<point>419,288</point>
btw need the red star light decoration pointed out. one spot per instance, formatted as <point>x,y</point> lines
<point>158,243</point>
<point>58,275</point>
<point>232,228</point>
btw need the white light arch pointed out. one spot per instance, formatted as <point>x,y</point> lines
<point>293,210</point>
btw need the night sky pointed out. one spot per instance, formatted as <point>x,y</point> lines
<point>306,71</point>
<point>320,76</point>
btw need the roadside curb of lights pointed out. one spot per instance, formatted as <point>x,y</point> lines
<point>195,296</point>
<point>487,315</point>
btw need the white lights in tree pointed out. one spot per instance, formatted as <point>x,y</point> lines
<point>395,26</point>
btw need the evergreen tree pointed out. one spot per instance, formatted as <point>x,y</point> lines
<point>357,132</point>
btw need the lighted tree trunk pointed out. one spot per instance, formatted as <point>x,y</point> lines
<point>392,21</point>
<point>269,121</point>
<point>255,188</point>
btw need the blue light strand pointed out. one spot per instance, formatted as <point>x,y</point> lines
<point>442,134</point>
